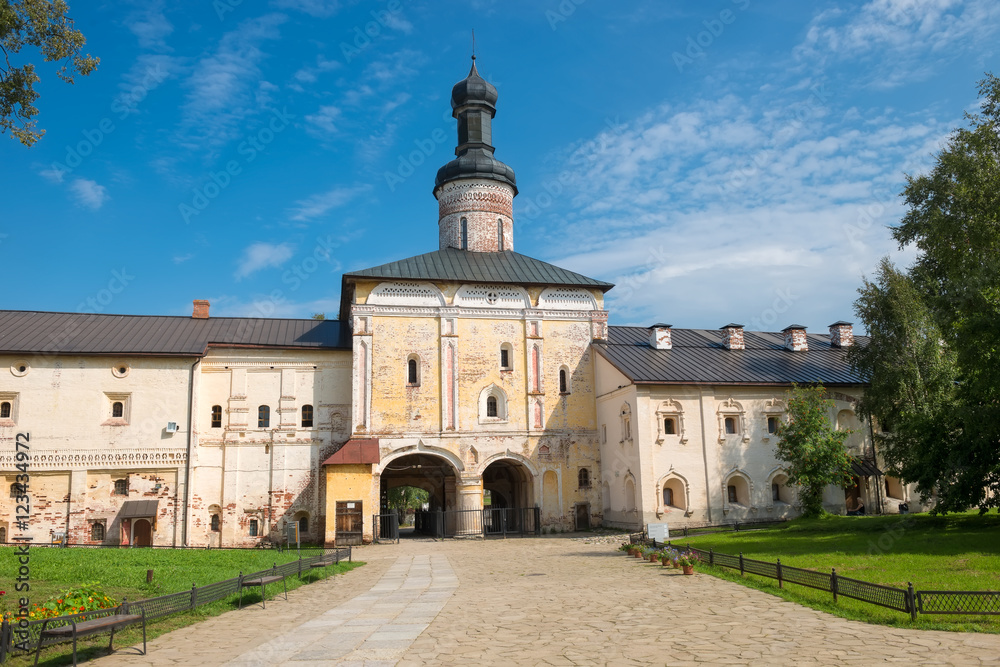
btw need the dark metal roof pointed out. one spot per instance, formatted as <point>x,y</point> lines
<point>79,333</point>
<point>864,468</point>
<point>361,450</point>
<point>138,509</point>
<point>698,357</point>
<point>455,265</point>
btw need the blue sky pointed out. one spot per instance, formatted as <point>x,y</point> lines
<point>735,160</point>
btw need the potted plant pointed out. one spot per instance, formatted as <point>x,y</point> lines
<point>653,555</point>
<point>687,561</point>
<point>667,557</point>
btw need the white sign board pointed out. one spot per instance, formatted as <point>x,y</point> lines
<point>658,532</point>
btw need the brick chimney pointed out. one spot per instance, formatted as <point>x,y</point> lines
<point>841,334</point>
<point>732,337</point>
<point>200,309</point>
<point>659,337</point>
<point>795,338</point>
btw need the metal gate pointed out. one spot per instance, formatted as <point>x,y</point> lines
<point>386,527</point>
<point>503,521</point>
<point>350,522</point>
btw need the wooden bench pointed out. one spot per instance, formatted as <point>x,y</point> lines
<point>91,626</point>
<point>262,582</point>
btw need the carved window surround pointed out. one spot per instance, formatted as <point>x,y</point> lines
<point>670,409</point>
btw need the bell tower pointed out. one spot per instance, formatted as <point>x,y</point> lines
<point>475,191</point>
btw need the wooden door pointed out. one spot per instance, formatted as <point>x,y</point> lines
<point>350,522</point>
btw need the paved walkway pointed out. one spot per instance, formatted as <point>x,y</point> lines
<point>541,601</point>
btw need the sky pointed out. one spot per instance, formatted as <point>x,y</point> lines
<point>719,161</point>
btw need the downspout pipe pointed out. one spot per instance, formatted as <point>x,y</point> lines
<point>187,460</point>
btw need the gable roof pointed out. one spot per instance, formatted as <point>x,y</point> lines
<point>464,266</point>
<point>698,357</point>
<point>81,333</point>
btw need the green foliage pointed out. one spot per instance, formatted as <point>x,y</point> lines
<point>813,449</point>
<point>319,316</point>
<point>407,497</point>
<point>87,597</point>
<point>940,397</point>
<point>42,24</point>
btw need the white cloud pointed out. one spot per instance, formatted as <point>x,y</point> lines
<point>323,121</point>
<point>261,256</point>
<point>180,259</point>
<point>309,74</point>
<point>53,175</point>
<point>88,193</point>
<point>318,205</point>
<point>317,8</point>
<point>145,75</point>
<point>224,86</point>
<point>150,26</point>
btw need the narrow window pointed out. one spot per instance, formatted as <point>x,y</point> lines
<point>303,525</point>
<point>732,493</point>
<point>215,522</point>
<point>669,426</point>
<point>5,410</point>
<point>504,358</point>
<point>730,425</point>
<point>253,527</point>
<point>563,384</point>
<point>668,496</point>
<point>411,371</point>
<point>307,416</point>
<point>118,409</point>
<point>772,424</point>
<point>465,234</point>
<point>16,490</point>
<point>604,434</point>
<point>500,234</point>
<point>97,532</point>
<point>584,478</point>
<point>775,492</point>
<point>628,428</point>
<point>264,417</point>
<point>3,535</point>
<point>491,406</point>
<point>216,416</point>
<point>121,487</point>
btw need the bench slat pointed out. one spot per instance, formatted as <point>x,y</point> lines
<point>92,626</point>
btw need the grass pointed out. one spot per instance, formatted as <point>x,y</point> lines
<point>122,573</point>
<point>959,552</point>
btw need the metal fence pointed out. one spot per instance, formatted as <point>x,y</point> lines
<point>487,522</point>
<point>386,527</point>
<point>165,605</point>
<point>906,600</point>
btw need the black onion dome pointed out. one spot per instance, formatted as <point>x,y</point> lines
<point>472,89</point>
<point>476,163</point>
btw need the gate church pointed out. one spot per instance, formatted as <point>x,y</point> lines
<point>472,372</point>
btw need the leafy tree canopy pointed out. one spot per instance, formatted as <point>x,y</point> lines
<point>42,24</point>
<point>813,449</point>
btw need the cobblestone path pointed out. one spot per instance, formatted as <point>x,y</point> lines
<point>541,601</point>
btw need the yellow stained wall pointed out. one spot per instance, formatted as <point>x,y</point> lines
<point>350,482</point>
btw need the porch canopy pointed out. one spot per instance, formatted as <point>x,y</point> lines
<point>864,468</point>
<point>138,509</point>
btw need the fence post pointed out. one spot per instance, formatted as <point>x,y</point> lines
<point>350,553</point>
<point>911,600</point>
<point>300,566</point>
<point>711,557</point>
<point>779,573</point>
<point>194,595</point>
<point>741,563</point>
<point>3,639</point>
<point>833,582</point>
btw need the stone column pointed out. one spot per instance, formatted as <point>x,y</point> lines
<point>469,490</point>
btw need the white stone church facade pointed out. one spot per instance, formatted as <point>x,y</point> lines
<point>472,371</point>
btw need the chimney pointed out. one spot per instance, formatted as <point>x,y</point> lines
<point>200,309</point>
<point>659,337</point>
<point>841,334</point>
<point>795,338</point>
<point>732,337</point>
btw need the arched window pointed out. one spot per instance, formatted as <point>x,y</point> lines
<point>583,478</point>
<point>669,426</point>
<point>97,532</point>
<point>121,487</point>
<point>216,416</point>
<point>307,416</point>
<point>500,234</point>
<point>491,406</point>
<point>3,534</point>
<point>264,417</point>
<point>5,410</point>
<point>118,409</point>
<point>465,234</point>
<point>563,381</point>
<point>215,522</point>
<point>303,525</point>
<point>668,496</point>
<point>733,496</point>
<point>16,490</point>
<point>626,417</point>
<point>412,371</point>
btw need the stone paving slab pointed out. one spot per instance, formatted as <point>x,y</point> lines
<point>542,601</point>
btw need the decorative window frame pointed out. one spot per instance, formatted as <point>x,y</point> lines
<point>670,409</point>
<point>510,357</point>
<point>770,482</point>
<point>120,369</point>
<point>732,408</point>
<point>625,417</point>
<point>774,407</point>
<point>406,370</point>
<point>502,407</point>
<point>103,523</point>
<point>9,397</point>
<point>17,366</point>
<point>115,397</point>
<point>660,485</point>
<point>737,472</point>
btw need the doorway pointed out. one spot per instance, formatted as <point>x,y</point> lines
<point>583,516</point>
<point>142,533</point>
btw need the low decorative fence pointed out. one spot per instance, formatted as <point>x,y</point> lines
<point>906,600</point>
<point>164,605</point>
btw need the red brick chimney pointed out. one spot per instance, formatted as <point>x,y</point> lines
<point>841,334</point>
<point>659,337</point>
<point>795,338</point>
<point>200,309</point>
<point>732,337</point>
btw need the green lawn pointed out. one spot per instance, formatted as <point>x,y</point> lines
<point>122,573</point>
<point>958,552</point>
